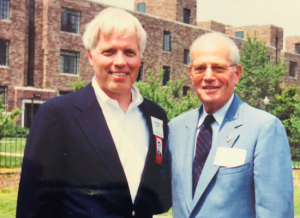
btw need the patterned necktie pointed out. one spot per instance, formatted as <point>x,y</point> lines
<point>202,149</point>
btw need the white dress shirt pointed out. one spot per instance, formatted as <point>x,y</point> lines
<point>130,134</point>
<point>219,117</point>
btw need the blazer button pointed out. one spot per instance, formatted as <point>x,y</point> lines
<point>133,213</point>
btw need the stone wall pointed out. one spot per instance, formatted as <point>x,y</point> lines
<point>212,25</point>
<point>290,42</point>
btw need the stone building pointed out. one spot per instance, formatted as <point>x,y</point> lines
<point>41,50</point>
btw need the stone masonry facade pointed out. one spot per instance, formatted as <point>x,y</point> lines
<point>160,16</point>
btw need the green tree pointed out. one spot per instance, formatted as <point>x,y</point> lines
<point>261,77</point>
<point>287,109</point>
<point>169,96</point>
<point>77,84</point>
<point>7,122</point>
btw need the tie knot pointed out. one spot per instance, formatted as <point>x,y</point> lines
<point>209,119</point>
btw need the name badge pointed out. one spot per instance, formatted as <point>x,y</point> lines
<point>230,157</point>
<point>157,127</point>
<point>159,149</point>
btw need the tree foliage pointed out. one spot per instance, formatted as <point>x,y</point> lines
<point>78,84</point>
<point>261,77</point>
<point>287,109</point>
<point>7,122</point>
<point>169,96</point>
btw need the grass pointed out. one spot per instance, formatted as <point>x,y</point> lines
<point>8,202</point>
<point>10,162</point>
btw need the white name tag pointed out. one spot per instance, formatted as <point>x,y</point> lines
<point>157,126</point>
<point>230,157</point>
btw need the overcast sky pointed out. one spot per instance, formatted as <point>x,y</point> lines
<point>282,13</point>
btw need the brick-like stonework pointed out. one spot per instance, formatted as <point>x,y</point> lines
<point>212,25</point>
<point>295,58</point>
<point>290,42</point>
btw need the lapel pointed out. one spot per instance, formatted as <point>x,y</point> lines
<point>92,122</point>
<point>187,146</point>
<point>231,121</point>
<point>151,154</point>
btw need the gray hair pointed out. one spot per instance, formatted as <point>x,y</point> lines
<point>114,20</point>
<point>234,51</point>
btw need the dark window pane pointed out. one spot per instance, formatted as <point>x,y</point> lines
<point>166,75</point>
<point>239,34</point>
<point>4,52</point>
<point>4,9</point>
<point>64,92</point>
<point>70,20</point>
<point>293,69</point>
<point>186,16</point>
<point>185,90</point>
<point>142,7</point>
<point>141,71</point>
<point>69,62</point>
<point>297,48</point>
<point>186,56</point>
<point>3,94</point>
<point>167,41</point>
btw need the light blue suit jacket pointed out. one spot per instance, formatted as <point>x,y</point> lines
<point>262,187</point>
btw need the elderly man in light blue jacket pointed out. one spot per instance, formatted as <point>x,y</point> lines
<point>229,160</point>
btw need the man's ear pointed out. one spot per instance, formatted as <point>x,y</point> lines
<point>238,73</point>
<point>91,58</point>
<point>191,74</point>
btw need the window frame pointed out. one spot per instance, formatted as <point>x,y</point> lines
<point>237,34</point>
<point>4,94</point>
<point>66,53</point>
<point>4,9</point>
<point>185,89</point>
<point>5,44</point>
<point>138,7</point>
<point>186,20</point>
<point>167,73</point>
<point>66,12</point>
<point>165,46</point>
<point>293,69</point>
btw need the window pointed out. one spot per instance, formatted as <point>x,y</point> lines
<point>185,89</point>
<point>70,20</point>
<point>293,69</point>
<point>3,94</point>
<point>4,52</point>
<point>186,57</point>
<point>69,62</point>
<point>239,34</point>
<point>4,9</point>
<point>142,7</point>
<point>167,41</point>
<point>186,16</point>
<point>297,48</point>
<point>166,75</point>
<point>141,71</point>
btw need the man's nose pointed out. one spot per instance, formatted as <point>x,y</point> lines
<point>209,74</point>
<point>120,59</point>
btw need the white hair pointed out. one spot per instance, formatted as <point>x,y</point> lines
<point>115,20</point>
<point>234,51</point>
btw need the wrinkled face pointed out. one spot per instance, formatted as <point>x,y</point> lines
<point>116,61</point>
<point>213,74</point>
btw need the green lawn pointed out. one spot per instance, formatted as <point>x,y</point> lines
<point>8,201</point>
<point>7,161</point>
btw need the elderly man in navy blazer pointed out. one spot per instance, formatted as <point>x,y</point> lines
<point>93,153</point>
<point>229,160</point>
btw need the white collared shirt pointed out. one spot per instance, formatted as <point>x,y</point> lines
<point>130,134</point>
<point>219,117</point>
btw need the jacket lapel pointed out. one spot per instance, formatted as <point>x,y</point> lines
<point>92,122</point>
<point>227,129</point>
<point>187,146</point>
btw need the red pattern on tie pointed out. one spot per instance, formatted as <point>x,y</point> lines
<point>203,147</point>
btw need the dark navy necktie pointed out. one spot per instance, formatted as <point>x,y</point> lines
<point>203,146</point>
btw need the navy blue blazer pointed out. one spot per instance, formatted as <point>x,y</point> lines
<point>71,167</point>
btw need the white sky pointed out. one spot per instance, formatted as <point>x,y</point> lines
<point>282,13</point>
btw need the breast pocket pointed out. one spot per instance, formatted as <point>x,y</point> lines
<point>232,170</point>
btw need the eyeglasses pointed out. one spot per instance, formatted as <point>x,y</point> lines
<point>215,67</point>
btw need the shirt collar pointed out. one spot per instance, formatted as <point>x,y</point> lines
<point>137,98</point>
<point>219,115</point>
